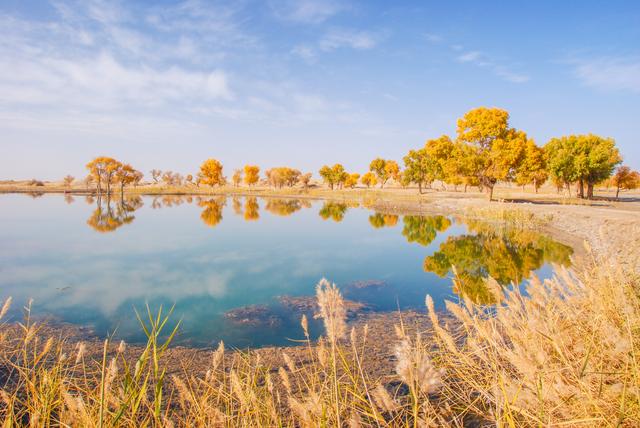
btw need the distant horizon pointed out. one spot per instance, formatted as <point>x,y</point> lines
<point>168,84</point>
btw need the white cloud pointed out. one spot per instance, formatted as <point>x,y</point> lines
<point>481,60</point>
<point>305,52</point>
<point>469,56</point>
<point>618,74</point>
<point>336,39</point>
<point>306,11</point>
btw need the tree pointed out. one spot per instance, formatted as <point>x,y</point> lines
<point>369,179</point>
<point>384,170</point>
<point>281,176</point>
<point>392,170</point>
<point>351,180</point>
<point>88,181</point>
<point>251,174</point>
<point>125,175</point>
<point>236,178</point>
<point>498,147</point>
<point>68,180</point>
<point>189,179</point>
<point>533,169</point>
<point>155,174</point>
<point>420,168</point>
<point>585,159</point>
<point>305,179</point>
<point>103,169</point>
<point>625,179</point>
<point>211,173</point>
<point>334,176</point>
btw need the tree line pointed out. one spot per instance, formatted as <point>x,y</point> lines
<point>486,150</point>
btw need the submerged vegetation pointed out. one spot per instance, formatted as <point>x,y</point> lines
<point>566,353</point>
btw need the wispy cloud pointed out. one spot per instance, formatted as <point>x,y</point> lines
<point>482,60</point>
<point>610,73</point>
<point>306,11</point>
<point>336,39</point>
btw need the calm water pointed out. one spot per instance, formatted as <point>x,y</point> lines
<point>231,266</point>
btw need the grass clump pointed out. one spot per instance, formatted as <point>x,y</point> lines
<point>565,354</point>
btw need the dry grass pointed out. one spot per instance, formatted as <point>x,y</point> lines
<point>566,355</point>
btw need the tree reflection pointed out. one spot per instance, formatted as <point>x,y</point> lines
<point>378,220</point>
<point>423,229</point>
<point>283,207</point>
<point>69,199</point>
<point>507,255</point>
<point>212,213</point>
<point>333,210</point>
<point>236,204</point>
<point>105,218</point>
<point>251,209</point>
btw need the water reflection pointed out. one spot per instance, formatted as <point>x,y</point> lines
<point>507,255</point>
<point>212,213</point>
<point>109,216</point>
<point>251,209</point>
<point>378,220</point>
<point>167,259</point>
<point>423,229</point>
<point>333,210</point>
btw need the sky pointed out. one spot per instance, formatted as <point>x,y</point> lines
<point>167,84</point>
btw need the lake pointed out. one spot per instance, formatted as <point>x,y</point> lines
<point>243,269</point>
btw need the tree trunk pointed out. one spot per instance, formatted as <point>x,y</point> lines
<point>420,187</point>
<point>581,189</point>
<point>617,192</point>
<point>589,190</point>
<point>490,193</point>
<point>465,188</point>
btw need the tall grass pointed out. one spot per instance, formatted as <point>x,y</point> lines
<point>567,354</point>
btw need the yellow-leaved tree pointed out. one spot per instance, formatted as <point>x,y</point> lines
<point>351,180</point>
<point>236,178</point>
<point>103,169</point>
<point>384,170</point>
<point>498,149</point>
<point>211,173</point>
<point>533,169</point>
<point>625,179</point>
<point>251,174</point>
<point>369,179</point>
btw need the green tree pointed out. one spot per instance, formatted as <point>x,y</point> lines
<point>583,159</point>
<point>420,168</point>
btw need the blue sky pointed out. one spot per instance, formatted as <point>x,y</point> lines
<point>167,84</point>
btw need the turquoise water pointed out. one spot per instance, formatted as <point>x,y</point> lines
<point>226,262</point>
